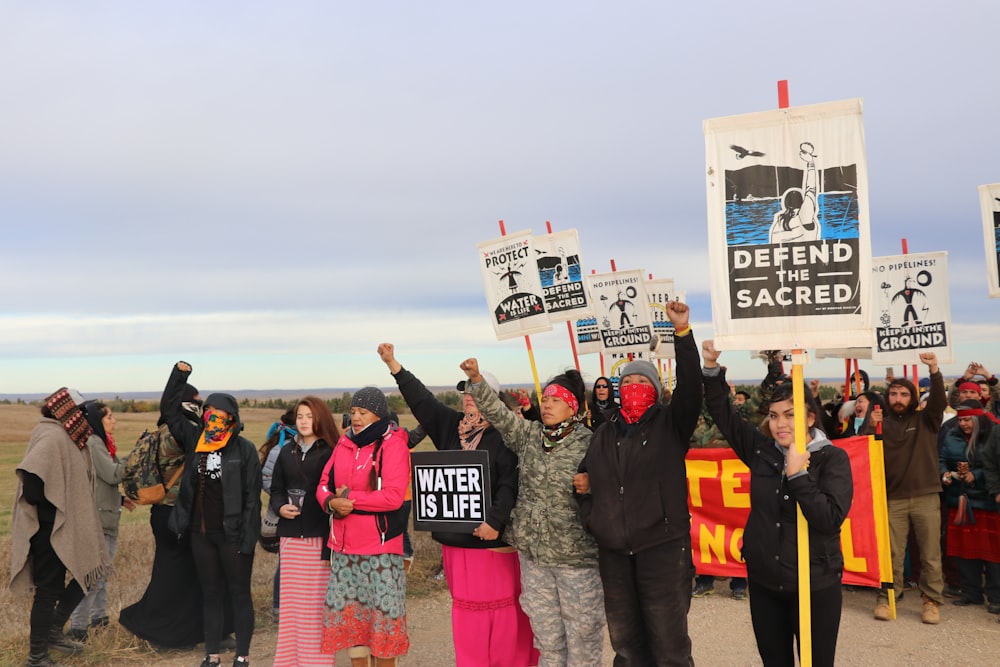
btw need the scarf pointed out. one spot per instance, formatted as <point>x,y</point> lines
<point>558,432</point>
<point>217,431</point>
<point>370,433</point>
<point>636,399</point>
<point>77,538</point>
<point>64,409</point>
<point>471,429</point>
<point>112,449</point>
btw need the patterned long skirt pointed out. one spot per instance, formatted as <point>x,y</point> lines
<point>304,579</point>
<point>366,605</point>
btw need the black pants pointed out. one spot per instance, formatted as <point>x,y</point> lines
<point>54,599</point>
<point>647,596</point>
<point>220,568</point>
<point>971,572</point>
<point>775,616</point>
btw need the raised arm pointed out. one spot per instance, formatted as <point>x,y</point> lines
<point>516,432</point>
<point>438,420</point>
<point>184,432</point>
<point>741,435</point>
<point>685,404</point>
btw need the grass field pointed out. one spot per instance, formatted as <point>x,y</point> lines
<point>113,645</point>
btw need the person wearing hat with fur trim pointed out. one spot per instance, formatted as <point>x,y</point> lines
<point>219,506</point>
<point>55,527</point>
<point>489,628</point>
<point>561,588</point>
<point>632,488</point>
<point>363,486</point>
<point>913,485</point>
<point>986,391</point>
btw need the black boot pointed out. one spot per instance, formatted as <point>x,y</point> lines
<point>39,656</point>
<point>60,642</point>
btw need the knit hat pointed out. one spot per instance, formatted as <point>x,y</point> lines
<point>645,369</point>
<point>373,400</point>
<point>464,386</point>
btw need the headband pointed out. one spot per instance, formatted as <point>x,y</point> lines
<point>563,393</point>
<point>977,412</point>
<point>969,386</point>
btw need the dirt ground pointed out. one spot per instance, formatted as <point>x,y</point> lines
<point>722,636</point>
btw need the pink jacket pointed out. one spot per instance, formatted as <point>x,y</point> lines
<point>358,533</point>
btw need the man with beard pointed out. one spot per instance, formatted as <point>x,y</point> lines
<point>913,485</point>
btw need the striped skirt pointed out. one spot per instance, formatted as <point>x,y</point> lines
<point>304,578</point>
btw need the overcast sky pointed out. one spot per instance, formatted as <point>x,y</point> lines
<point>268,190</point>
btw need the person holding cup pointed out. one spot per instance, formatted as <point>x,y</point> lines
<point>302,529</point>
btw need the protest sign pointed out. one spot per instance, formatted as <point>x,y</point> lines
<point>719,501</point>
<point>557,257</point>
<point>451,490</point>
<point>622,308</point>
<point>911,307</point>
<point>788,228</point>
<point>660,292</point>
<point>989,202</point>
<point>513,290</point>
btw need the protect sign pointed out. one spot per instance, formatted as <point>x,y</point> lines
<point>451,490</point>
<point>788,228</point>
<point>512,286</point>
<point>911,307</point>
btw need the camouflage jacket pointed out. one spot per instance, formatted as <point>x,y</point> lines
<point>545,523</point>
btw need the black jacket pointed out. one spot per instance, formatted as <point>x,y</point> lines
<point>441,424</point>
<point>241,483</point>
<point>292,470</point>
<point>638,477</point>
<point>825,493</point>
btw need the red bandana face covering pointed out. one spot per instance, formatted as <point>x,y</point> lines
<point>636,399</point>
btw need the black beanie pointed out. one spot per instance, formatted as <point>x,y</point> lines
<point>372,400</point>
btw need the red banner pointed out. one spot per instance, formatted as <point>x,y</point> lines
<point>719,500</point>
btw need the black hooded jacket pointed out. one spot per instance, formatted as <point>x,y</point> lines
<point>238,488</point>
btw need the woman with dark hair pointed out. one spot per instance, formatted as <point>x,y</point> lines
<point>973,532</point>
<point>363,485</point>
<point>219,505</point>
<point>561,589</point>
<point>819,482</point>
<point>489,628</point>
<point>859,421</point>
<point>54,528</point>
<point>602,399</point>
<point>93,609</point>
<point>798,220</point>
<point>302,527</point>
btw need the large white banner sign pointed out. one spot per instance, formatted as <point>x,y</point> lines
<point>788,228</point>
<point>912,309</point>
<point>513,291</point>
<point>622,308</point>
<point>557,257</point>
<point>989,201</point>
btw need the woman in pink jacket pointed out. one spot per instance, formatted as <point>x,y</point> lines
<point>363,486</point>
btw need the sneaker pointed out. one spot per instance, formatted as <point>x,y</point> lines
<point>952,591</point>
<point>930,614</point>
<point>241,662</point>
<point>966,602</point>
<point>910,585</point>
<point>882,612</point>
<point>739,594</point>
<point>99,622</point>
<point>701,590</point>
<point>208,662</point>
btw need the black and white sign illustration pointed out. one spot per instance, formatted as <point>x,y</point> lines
<point>989,200</point>
<point>788,227</point>
<point>513,290</point>
<point>912,307</point>
<point>557,257</point>
<point>660,292</point>
<point>622,307</point>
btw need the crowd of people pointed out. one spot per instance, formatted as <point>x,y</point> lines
<point>588,525</point>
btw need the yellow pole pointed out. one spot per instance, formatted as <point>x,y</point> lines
<point>881,510</point>
<point>801,440</point>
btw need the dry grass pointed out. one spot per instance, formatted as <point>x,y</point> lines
<point>114,645</point>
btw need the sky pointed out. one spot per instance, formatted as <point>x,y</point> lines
<point>269,190</point>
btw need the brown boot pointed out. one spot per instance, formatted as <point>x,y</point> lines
<point>386,662</point>
<point>407,564</point>
<point>360,656</point>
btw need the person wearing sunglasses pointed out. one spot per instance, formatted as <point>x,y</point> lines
<point>602,399</point>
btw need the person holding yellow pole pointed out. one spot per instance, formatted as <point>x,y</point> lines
<point>819,481</point>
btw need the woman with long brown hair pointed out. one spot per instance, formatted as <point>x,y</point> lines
<point>302,527</point>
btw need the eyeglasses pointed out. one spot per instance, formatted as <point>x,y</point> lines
<point>600,386</point>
